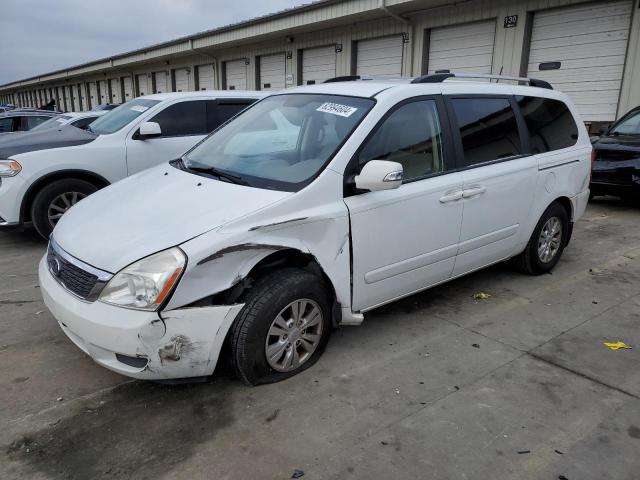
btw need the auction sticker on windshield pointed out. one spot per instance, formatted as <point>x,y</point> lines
<point>139,108</point>
<point>337,109</point>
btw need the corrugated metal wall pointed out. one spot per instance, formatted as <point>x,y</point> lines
<point>340,25</point>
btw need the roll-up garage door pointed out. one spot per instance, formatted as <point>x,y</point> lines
<point>206,77</point>
<point>462,48</point>
<point>581,51</point>
<point>160,79</point>
<point>318,64</point>
<point>127,85</point>
<point>82,88</point>
<point>116,94</point>
<point>68,104</point>
<point>102,84</point>
<point>93,94</point>
<point>235,74</point>
<point>182,79</point>
<point>272,72</point>
<point>380,56</point>
<point>76,98</point>
<point>142,87</point>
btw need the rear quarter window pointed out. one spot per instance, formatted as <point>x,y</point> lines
<point>550,123</point>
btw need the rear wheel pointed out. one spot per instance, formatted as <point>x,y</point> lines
<point>55,199</point>
<point>283,327</point>
<point>547,242</point>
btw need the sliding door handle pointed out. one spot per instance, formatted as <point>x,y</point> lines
<point>473,191</point>
<point>451,196</point>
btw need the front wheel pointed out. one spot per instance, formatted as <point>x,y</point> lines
<point>283,327</point>
<point>547,242</point>
<point>55,199</point>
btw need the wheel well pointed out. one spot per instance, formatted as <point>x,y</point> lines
<point>566,203</point>
<point>25,209</point>
<point>286,258</point>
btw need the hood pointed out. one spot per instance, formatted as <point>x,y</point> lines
<point>614,142</point>
<point>154,210</point>
<point>64,136</point>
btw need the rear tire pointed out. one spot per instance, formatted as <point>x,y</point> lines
<point>52,201</point>
<point>547,242</point>
<point>268,323</point>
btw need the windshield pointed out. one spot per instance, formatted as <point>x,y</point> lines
<point>281,142</point>
<point>119,117</point>
<point>52,123</point>
<point>628,126</point>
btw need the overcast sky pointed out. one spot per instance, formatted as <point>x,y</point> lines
<point>38,36</point>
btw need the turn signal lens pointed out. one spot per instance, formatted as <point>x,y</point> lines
<point>9,168</point>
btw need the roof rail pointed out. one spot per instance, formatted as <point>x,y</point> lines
<point>442,75</point>
<point>379,78</point>
<point>344,78</point>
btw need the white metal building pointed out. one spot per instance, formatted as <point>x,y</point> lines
<point>588,49</point>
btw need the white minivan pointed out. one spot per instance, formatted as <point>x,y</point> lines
<point>41,181</point>
<point>313,207</point>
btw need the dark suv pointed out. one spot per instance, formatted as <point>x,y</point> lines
<point>616,169</point>
<point>20,121</point>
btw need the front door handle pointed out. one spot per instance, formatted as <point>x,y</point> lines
<point>473,191</point>
<point>451,196</point>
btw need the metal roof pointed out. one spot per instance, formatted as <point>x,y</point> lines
<point>244,23</point>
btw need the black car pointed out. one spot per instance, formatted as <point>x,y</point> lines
<point>23,120</point>
<point>105,106</point>
<point>616,168</point>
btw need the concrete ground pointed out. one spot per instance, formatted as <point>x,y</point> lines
<point>437,386</point>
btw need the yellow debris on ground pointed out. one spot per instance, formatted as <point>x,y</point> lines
<point>481,296</point>
<point>616,346</point>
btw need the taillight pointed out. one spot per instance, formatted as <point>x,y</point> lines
<point>593,160</point>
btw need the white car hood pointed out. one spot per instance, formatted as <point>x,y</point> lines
<point>156,209</point>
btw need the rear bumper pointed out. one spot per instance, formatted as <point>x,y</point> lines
<point>180,343</point>
<point>579,204</point>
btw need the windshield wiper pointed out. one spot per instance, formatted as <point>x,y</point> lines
<point>220,174</point>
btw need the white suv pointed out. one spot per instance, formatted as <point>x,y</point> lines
<point>41,182</point>
<point>311,208</point>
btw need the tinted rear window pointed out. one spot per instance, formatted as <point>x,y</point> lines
<point>550,123</point>
<point>488,129</point>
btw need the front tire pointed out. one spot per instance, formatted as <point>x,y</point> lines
<point>55,199</point>
<point>282,329</point>
<point>547,242</point>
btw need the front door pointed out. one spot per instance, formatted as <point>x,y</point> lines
<point>406,239</point>
<point>182,124</point>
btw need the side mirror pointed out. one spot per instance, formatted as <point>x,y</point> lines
<point>379,175</point>
<point>149,130</point>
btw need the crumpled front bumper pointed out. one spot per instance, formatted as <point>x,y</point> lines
<point>174,344</point>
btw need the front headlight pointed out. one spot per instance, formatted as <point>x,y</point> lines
<point>9,168</point>
<point>146,284</point>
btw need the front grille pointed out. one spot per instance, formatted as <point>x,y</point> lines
<point>70,273</point>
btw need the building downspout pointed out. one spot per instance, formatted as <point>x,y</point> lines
<point>215,62</point>
<point>410,30</point>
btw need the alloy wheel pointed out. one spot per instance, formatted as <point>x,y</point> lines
<point>61,204</point>
<point>550,240</point>
<point>294,335</point>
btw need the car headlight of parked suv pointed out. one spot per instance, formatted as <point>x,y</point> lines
<point>9,168</point>
<point>147,283</point>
